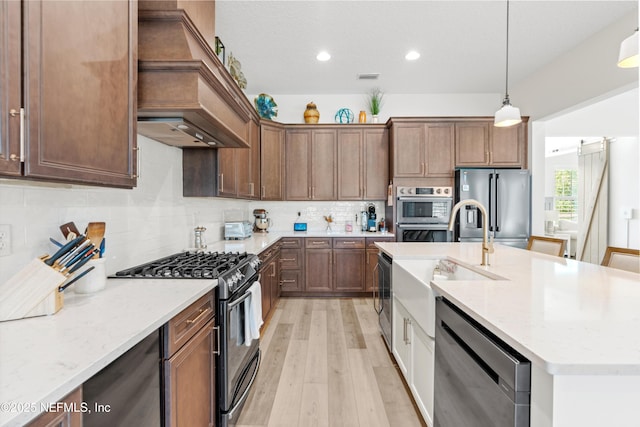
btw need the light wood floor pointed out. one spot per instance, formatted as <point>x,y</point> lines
<point>324,363</point>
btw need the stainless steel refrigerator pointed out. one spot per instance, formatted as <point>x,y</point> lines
<point>506,195</point>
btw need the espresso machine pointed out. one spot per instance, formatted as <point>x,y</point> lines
<point>262,222</point>
<point>371,222</point>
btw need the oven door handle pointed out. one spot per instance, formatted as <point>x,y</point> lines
<point>242,298</point>
<point>246,392</point>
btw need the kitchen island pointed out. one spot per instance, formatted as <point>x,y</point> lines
<point>576,322</point>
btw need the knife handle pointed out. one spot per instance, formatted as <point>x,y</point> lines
<point>63,250</point>
<point>79,256</point>
<point>83,261</point>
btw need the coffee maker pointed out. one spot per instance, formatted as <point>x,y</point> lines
<point>261,222</point>
<point>371,222</point>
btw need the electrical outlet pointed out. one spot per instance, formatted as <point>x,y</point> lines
<point>5,239</point>
<point>627,213</point>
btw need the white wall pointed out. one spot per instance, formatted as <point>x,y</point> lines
<point>624,192</point>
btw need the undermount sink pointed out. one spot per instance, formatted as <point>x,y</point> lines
<point>450,270</point>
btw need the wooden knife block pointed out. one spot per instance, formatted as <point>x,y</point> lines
<point>33,291</point>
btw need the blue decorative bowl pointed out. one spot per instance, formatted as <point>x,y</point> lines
<point>344,115</point>
<point>266,106</point>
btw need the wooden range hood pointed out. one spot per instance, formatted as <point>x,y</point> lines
<point>186,97</point>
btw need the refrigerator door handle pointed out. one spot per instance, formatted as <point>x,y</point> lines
<point>497,201</point>
<point>490,201</point>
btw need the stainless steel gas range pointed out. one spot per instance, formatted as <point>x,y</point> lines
<point>238,358</point>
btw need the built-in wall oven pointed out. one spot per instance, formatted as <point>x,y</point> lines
<point>422,214</point>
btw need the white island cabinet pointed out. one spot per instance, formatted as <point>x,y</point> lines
<point>576,322</point>
<point>413,329</point>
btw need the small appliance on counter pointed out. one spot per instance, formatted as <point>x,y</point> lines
<point>237,230</point>
<point>364,221</point>
<point>372,224</point>
<point>262,223</point>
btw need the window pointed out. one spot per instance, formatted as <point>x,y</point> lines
<point>566,194</point>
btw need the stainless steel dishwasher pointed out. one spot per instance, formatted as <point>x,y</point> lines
<point>479,380</point>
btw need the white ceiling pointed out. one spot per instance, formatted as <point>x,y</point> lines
<point>462,43</point>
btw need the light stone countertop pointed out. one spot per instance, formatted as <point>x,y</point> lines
<point>568,317</point>
<point>42,359</point>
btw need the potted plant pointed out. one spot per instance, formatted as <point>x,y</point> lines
<point>375,103</point>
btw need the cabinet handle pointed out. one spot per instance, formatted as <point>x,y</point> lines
<point>22,129</point>
<point>194,320</point>
<point>287,259</point>
<point>309,192</point>
<point>217,350</point>
<point>408,335</point>
<point>14,157</point>
<point>251,188</point>
<point>221,187</point>
<point>287,281</point>
<point>263,192</point>
<point>316,242</point>
<point>349,243</point>
<point>404,330</point>
<point>313,192</point>
<point>376,294</point>
<point>138,163</point>
<point>273,266</point>
<point>422,168</point>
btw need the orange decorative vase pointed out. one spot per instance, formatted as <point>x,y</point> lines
<point>311,114</point>
<point>362,118</point>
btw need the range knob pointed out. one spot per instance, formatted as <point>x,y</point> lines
<point>231,282</point>
<point>438,190</point>
<point>446,191</point>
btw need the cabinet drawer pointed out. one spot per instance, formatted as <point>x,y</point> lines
<point>290,259</point>
<point>317,243</point>
<point>269,252</point>
<point>291,243</point>
<point>371,241</point>
<point>349,243</point>
<point>185,325</point>
<point>291,280</point>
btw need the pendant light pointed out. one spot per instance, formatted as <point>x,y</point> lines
<point>508,115</point>
<point>628,57</point>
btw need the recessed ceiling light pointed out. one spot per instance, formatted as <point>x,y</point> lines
<point>323,56</point>
<point>412,55</point>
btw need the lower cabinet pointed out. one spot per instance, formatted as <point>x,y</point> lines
<point>348,264</point>
<point>189,347</point>
<point>340,266</point>
<point>291,264</point>
<point>334,266</point>
<point>371,261</point>
<point>414,352</point>
<point>318,269</point>
<point>270,279</point>
<point>66,417</point>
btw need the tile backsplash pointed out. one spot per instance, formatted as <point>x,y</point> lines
<point>147,222</point>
